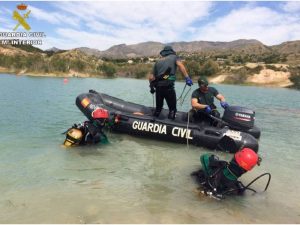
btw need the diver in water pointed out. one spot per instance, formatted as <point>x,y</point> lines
<point>88,132</point>
<point>218,178</point>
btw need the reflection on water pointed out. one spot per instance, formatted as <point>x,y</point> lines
<point>133,180</point>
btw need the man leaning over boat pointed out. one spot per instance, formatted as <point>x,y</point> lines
<point>203,101</point>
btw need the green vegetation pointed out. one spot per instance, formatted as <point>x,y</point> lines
<point>295,76</point>
<point>31,62</point>
<point>267,58</point>
<point>108,69</point>
<point>203,68</point>
<point>135,70</point>
<point>193,67</point>
<point>254,70</point>
<point>59,63</point>
<point>240,76</point>
<point>272,67</point>
<point>209,68</point>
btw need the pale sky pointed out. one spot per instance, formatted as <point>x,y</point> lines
<point>102,24</point>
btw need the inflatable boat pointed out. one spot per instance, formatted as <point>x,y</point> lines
<point>234,130</point>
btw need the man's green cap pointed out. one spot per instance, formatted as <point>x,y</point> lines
<point>202,81</point>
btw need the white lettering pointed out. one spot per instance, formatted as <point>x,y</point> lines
<point>5,42</point>
<point>173,131</point>
<point>236,135</point>
<point>243,115</point>
<point>13,34</point>
<point>145,127</point>
<point>182,132</point>
<point>149,127</point>
<point>156,128</point>
<point>164,130</point>
<point>161,129</point>
<point>135,125</point>
<point>140,126</point>
<point>36,34</point>
<point>189,134</point>
<point>26,42</point>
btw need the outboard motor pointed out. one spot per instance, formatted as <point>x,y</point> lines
<point>241,118</point>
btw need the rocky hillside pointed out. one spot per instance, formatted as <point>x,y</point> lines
<point>246,46</point>
<point>31,60</point>
<point>289,50</point>
<point>90,51</point>
<point>290,47</point>
<point>153,48</point>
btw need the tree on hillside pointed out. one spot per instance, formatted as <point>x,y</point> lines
<point>193,67</point>
<point>238,59</point>
<point>58,64</point>
<point>141,71</point>
<point>108,69</point>
<point>295,76</point>
<point>77,65</point>
<point>209,68</point>
<point>271,58</point>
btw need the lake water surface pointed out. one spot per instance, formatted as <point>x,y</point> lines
<point>133,180</point>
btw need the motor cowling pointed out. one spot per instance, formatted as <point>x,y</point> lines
<point>239,117</point>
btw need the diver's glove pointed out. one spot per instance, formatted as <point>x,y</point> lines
<point>152,89</point>
<point>224,105</point>
<point>208,109</point>
<point>188,81</point>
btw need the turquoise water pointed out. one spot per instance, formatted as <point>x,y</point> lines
<point>133,180</point>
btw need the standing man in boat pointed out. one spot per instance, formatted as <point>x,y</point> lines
<point>203,101</point>
<point>163,78</point>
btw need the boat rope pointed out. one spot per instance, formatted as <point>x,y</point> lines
<point>181,93</point>
<point>182,101</point>
<point>153,101</point>
<point>187,128</point>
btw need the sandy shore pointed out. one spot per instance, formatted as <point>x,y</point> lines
<point>266,77</point>
<point>71,73</point>
<point>269,77</point>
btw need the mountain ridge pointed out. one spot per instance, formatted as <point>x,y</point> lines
<point>152,49</point>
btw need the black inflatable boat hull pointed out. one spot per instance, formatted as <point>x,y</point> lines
<point>135,119</point>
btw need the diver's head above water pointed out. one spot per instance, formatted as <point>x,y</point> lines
<point>73,137</point>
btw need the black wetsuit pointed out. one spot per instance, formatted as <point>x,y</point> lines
<point>92,133</point>
<point>219,176</point>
